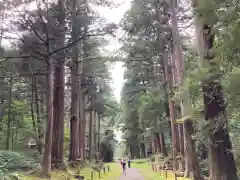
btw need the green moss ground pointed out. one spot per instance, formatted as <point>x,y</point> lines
<point>64,175</point>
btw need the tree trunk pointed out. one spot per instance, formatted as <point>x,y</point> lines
<point>181,143</point>
<point>81,133</point>
<point>73,151</point>
<point>158,143</point>
<point>98,131</point>
<point>163,145</point>
<point>153,141</point>
<point>222,163</point>
<point>90,136</point>
<point>95,132</point>
<point>42,105</point>
<point>58,103</point>
<point>32,105</point>
<point>74,139</point>
<point>58,114</point>
<point>185,104</point>
<point>75,98</point>
<point>174,134</point>
<point>39,126</point>
<point>46,162</point>
<point>192,170</point>
<point>143,151</point>
<point>8,138</point>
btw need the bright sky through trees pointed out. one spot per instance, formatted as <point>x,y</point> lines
<point>115,15</point>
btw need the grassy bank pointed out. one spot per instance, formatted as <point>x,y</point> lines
<point>86,172</point>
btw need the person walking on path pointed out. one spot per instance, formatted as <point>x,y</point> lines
<point>123,164</point>
<point>129,163</point>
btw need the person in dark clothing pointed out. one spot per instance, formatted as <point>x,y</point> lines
<point>129,163</point>
<point>123,163</point>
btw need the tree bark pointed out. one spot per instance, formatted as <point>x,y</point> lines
<point>185,104</point>
<point>8,146</point>
<point>153,141</point>
<point>163,145</point>
<point>73,152</point>
<point>75,97</point>
<point>58,114</point>
<point>39,126</point>
<point>192,170</point>
<point>222,163</point>
<point>58,103</point>
<point>98,131</point>
<point>81,133</point>
<point>174,134</point>
<point>181,145</point>
<point>46,162</point>
<point>95,131</point>
<point>90,135</point>
<point>74,139</point>
<point>158,143</point>
<point>32,104</point>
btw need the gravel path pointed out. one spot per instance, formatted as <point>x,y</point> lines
<point>132,174</point>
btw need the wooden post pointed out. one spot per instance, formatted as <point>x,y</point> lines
<point>91,175</point>
<point>104,171</point>
<point>175,176</point>
<point>99,174</point>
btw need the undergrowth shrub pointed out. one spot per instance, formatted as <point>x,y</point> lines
<point>11,162</point>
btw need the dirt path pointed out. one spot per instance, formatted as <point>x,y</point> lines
<point>132,174</point>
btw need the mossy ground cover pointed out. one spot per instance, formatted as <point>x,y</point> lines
<point>114,173</point>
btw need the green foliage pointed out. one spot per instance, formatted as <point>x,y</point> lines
<point>21,123</point>
<point>12,161</point>
<point>152,109</point>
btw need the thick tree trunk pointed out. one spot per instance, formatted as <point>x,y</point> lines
<point>222,163</point>
<point>46,162</point>
<point>158,143</point>
<point>58,114</point>
<point>181,145</point>
<point>134,150</point>
<point>74,138</point>
<point>58,103</point>
<point>186,104</point>
<point>163,145</point>
<point>73,152</point>
<point>192,170</point>
<point>174,134</point>
<point>75,108</point>
<point>153,141</point>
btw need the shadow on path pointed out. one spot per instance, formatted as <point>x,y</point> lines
<point>132,174</point>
